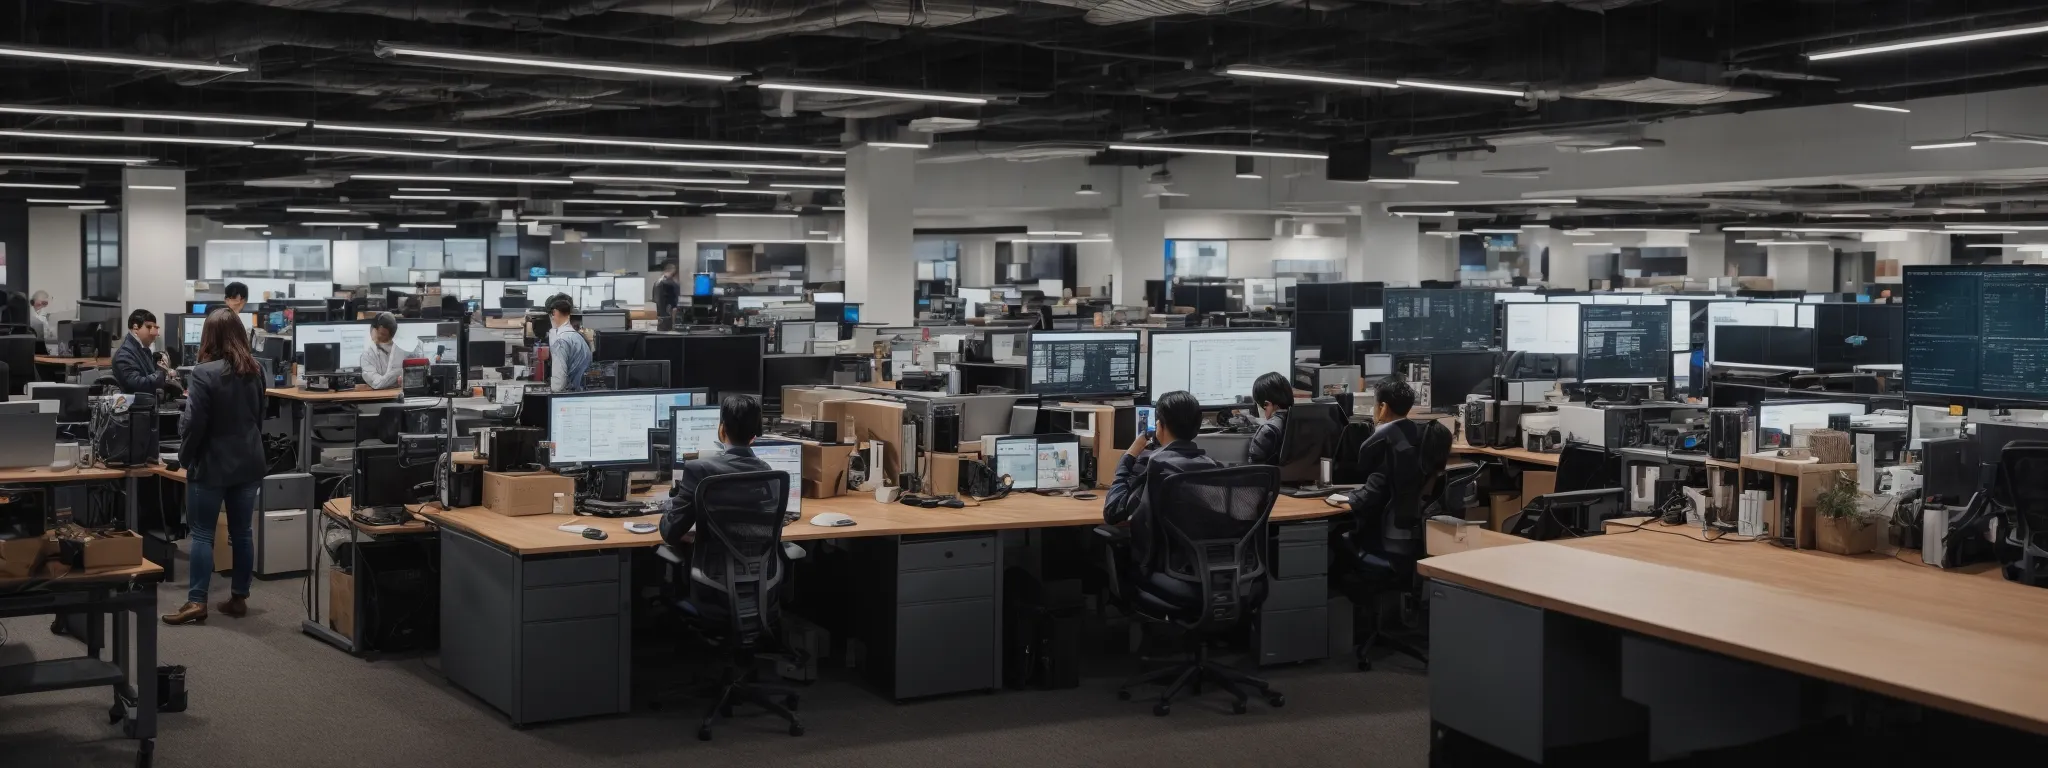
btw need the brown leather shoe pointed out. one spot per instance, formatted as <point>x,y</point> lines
<point>236,606</point>
<point>189,613</point>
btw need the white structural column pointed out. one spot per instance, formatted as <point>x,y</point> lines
<point>1706,254</point>
<point>881,273</point>
<point>1802,267</point>
<point>1137,229</point>
<point>56,257</point>
<point>1388,249</point>
<point>1568,260</point>
<point>1534,241</point>
<point>1916,249</point>
<point>152,240</point>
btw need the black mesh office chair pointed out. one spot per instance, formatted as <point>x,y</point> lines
<point>737,564</point>
<point>1202,571</point>
<point>2021,465</point>
<point>1378,552</point>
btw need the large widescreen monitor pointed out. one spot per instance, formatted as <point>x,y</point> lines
<point>1977,331</point>
<point>1543,328</point>
<point>1217,366</point>
<point>1437,320</point>
<point>1078,363</point>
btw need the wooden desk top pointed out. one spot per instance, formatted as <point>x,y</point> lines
<point>161,471</point>
<point>1441,538</point>
<point>143,571</point>
<point>338,508</point>
<point>1959,642</point>
<point>346,396</point>
<point>537,534</point>
<point>98,362</point>
<point>44,475</point>
<point>1516,454</point>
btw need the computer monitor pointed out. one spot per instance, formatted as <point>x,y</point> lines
<point>192,328</point>
<point>1624,343</point>
<point>723,363</point>
<point>787,457</point>
<point>1775,419</point>
<point>849,313</point>
<point>1437,320</point>
<point>693,430</point>
<point>1041,462</point>
<point>1453,375</point>
<point>677,398</point>
<point>630,290</point>
<point>778,371</point>
<point>1363,319</point>
<point>1849,335</point>
<point>198,307</point>
<point>1762,345</point>
<point>107,313</point>
<point>1082,363</point>
<point>640,374</point>
<point>793,337</point>
<point>700,284</point>
<point>486,353</point>
<point>71,400</point>
<point>602,428</point>
<point>1542,328</point>
<point>605,321</point>
<point>1217,366</point>
<point>618,345</point>
<point>1585,467</point>
<point>1309,437</point>
<point>350,336</point>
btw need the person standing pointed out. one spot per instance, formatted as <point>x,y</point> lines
<point>568,351</point>
<point>223,457</point>
<point>137,369</point>
<point>668,292</point>
<point>237,297</point>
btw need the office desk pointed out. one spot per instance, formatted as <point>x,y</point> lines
<point>515,592</point>
<point>1512,454</point>
<point>69,366</point>
<point>1625,615</point>
<point>303,402</point>
<point>327,619</point>
<point>127,593</point>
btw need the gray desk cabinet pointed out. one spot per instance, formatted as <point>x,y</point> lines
<point>540,638</point>
<point>1293,624</point>
<point>933,620</point>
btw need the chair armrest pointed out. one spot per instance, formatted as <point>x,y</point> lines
<point>1113,538</point>
<point>1114,534</point>
<point>669,553</point>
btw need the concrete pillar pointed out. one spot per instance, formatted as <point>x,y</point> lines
<point>1535,241</point>
<point>56,257</point>
<point>1568,262</point>
<point>1706,254</point>
<point>13,248</point>
<point>977,262</point>
<point>1913,249</point>
<point>881,273</point>
<point>1137,230</point>
<point>152,240</point>
<point>1802,267</point>
<point>1388,249</point>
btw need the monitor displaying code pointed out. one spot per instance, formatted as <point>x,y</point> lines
<point>1624,342</point>
<point>1977,331</point>
<point>1437,320</point>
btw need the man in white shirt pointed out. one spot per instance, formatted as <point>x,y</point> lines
<point>383,363</point>
<point>39,317</point>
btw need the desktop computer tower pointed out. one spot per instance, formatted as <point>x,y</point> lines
<point>287,506</point>
<point>1726,430</point>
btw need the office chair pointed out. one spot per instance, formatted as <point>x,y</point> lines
<point>2021,464</point>
<point>731,597</point>
<point>1377,555</point>
<point>1201,570</point>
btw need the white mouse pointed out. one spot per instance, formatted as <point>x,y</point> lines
<point>831,520</point>
<point>1337,500</point>
<point>642,527</point>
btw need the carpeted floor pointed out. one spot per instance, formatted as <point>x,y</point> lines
<point>264,695</point>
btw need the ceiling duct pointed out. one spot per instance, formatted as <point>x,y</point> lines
<point>1626,77</point>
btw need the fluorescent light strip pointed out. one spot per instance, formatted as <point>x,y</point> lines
<point>62,201</point>
<point>1246,152</point>
<point>627,202</point>
<point>153,187</point>
<point>559,139</point>
<point>1411,181</point>
<point>808,186</point>
<point>597,240</point>
<point>898,145</point>
<point>1945,145</point>
<point>128,137</point>
<point>647,226</point>
<point>550,63</point>
<point>1249,176</point>
<point>655,180</point>
<point>458,179</point>
<point>1927,42</point>
<point>1311,77</point>
<point>125,114</point>
<point>1993,245</point>
<point>1425,213</point>
<point>1638,229</point>
<point>1981,232</point>
<point>132,61</point>
<point>1621,148</point>
<point>2008,227</point>
<point>77,159</point>
<point>1053,233</point>
<point>243,226</point>
<point>1061,241</point>
<point>364,224</point>
<point>552,159</point>
<point>426,226</point>
<point>28,185</point>
<point>886,93</point>
<point>756,215</point>
<point>739,191</point>
<point>1594,245</point>
<point>88,207</point>
<point>1844,215</point>
<point>456,198</point>
<point>422,189</point>
<point>318,210</point>
<point>1882,108</point>
<point>1497,231</point>
<point>1460,88</point>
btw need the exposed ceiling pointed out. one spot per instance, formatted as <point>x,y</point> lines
<point>1062,77</point>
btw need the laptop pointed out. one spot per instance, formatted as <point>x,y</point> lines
<point>31,442</point>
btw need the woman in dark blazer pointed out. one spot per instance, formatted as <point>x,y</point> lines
<point>223,458</point>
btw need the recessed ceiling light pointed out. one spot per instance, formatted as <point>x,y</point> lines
<point>820,232</point>
<point>886,93</point>
<point>422,189</point>
<point>1208,150</point>
<point>1928,42</point>
<point>243,226</point>
<point>565,159</point>
<point>1249,176</point>
<point>1881,108</point>
<point>266,232</point>
<point>1844,215</point>
<point>553,63</point>
<point>607,141</point>
<point>458,179</point>
<point>153,187</point>
<point>1268,73</point>
<point>127,137</point>
<point>1461,88</point>
<point>77,159</point>
<point>1497,231</point>
<point>126,114</point>
<point>656,180</point>
<point>897,145</point>
<point>89,207</point>
<point>149,62</point>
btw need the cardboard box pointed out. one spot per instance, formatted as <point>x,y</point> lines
<point>1536,484</point>
<point>341,602</point>
<point>825,468</point>
<point>876,420</point>
<point>519,494</point>
<point>942,472</point>
<point>1504,505</point>
<point>112,550</point>
<point>808,403</point>
<point>18,556</point>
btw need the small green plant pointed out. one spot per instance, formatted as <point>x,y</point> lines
<point>1838,501</point>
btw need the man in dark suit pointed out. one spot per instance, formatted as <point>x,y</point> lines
<point>1391,460</point>
<point>1272,395</point>
<point>739,422</point>
<point>137,369</point>
<point>1179,417</point>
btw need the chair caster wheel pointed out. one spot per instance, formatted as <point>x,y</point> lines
<point>1123,695</point>
<point>790,702</point>
<point>1277,700</point>
<point>704,733</point>
<point>1238,708</point>
<point>1162,709</point>
<point>796,730</point>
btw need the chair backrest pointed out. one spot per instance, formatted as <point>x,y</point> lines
<point>737,561</point>
<point>1209,530</point>
<point>2021,465</point>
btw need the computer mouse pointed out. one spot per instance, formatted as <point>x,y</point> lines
<point>1337,499</point>
<point>596,534</point>
<point>642,527</point>
<point>831,520</point>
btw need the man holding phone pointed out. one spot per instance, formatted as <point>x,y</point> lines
<point>1168,450</point>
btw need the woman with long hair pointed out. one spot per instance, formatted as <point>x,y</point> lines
<point>223,457</point>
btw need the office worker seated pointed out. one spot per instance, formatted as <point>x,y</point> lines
<point>1391,460</point>
<point>1178,417</point>
<point>237,297</point>
<point>39,317</point>
<point>138,369</point>
<point>383,363</point>
<point>1273,394</point>
<point>568,351</point>
<point>739,422</point>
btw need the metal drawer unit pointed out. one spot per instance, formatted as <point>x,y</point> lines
<point>539,638</point>
<point>936,625</point>
<point>1293,624</point>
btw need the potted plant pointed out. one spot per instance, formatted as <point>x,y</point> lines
<point>1840,526</point>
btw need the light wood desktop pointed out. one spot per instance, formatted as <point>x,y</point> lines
<point>1515,454</point>
<point>537,534</point>
<point>344,396</point>
<point>1961,642</point>
<point>95,362</point>
<point>338,508</point>
<point>47,475</point>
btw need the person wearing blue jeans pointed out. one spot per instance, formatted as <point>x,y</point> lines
<point>222,451</point>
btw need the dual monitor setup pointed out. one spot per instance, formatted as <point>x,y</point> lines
<point>326,347</point>
<point>621,429</point>
<point>1217,366</point>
